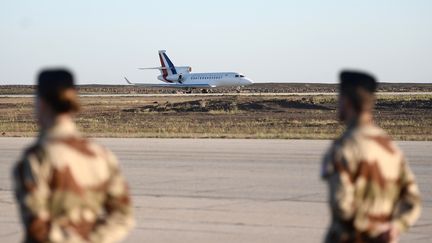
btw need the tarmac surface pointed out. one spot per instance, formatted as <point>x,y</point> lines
<point>204,190</point>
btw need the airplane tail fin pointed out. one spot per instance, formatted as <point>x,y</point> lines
<point>168,67</point>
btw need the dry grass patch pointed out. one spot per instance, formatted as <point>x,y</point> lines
<point>310,117</point>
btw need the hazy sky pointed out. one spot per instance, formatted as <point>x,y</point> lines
<point>279,41</point>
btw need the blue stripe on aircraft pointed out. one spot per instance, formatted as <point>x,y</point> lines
<point>171,65</point>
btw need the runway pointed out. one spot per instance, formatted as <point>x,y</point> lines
<point>221,94</point>
<point>191,190</point>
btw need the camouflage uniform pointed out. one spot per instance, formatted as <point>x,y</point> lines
<point>71,190</point>
<point>370,186</point>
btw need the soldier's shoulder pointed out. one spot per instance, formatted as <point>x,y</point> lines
<point>79,145</point>
<point>371,137</point>
<point>361,136</point>
<point>32,149</point>
<point>100,151</point>
<point>81,148</point>
<point>348,139</point>
<point>35,151</point>
<point>32,154</point>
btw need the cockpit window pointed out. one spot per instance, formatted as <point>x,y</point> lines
<point>241,76</point>
<point>237,75</point>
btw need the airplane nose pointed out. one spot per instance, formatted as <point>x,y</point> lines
<point>247,81</point>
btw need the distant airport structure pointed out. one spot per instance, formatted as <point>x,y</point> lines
<point>182,77</point>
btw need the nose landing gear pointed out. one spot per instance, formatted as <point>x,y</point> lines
<point>238,89</point>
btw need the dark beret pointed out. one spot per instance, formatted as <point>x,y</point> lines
<point>53,81</point>
<point>351,80</point>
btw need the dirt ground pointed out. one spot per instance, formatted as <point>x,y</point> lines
<point>405,117</point>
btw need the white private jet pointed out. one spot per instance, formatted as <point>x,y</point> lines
<point>181,77</point>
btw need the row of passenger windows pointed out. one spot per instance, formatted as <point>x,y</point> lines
<point>215,77</point>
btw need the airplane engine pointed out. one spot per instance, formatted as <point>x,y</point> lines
<point>185,69</point>
<point>175,78</point>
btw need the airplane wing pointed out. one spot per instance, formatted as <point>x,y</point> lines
<point>172,85</point>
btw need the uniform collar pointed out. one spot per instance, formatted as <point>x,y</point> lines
<point>355,125</point>
<point>358,123</point>
<point>61,129</point>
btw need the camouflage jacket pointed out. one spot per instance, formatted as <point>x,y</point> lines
<point>70,189</point>
<point>370,185</point>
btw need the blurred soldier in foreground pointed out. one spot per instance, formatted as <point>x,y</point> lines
<point>68,188</point>
<point>372,192</point>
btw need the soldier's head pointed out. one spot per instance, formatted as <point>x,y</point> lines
<point>356,94</point>
<point>56,94</point>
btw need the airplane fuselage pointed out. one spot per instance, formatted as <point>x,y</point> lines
<point>222,79</point>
